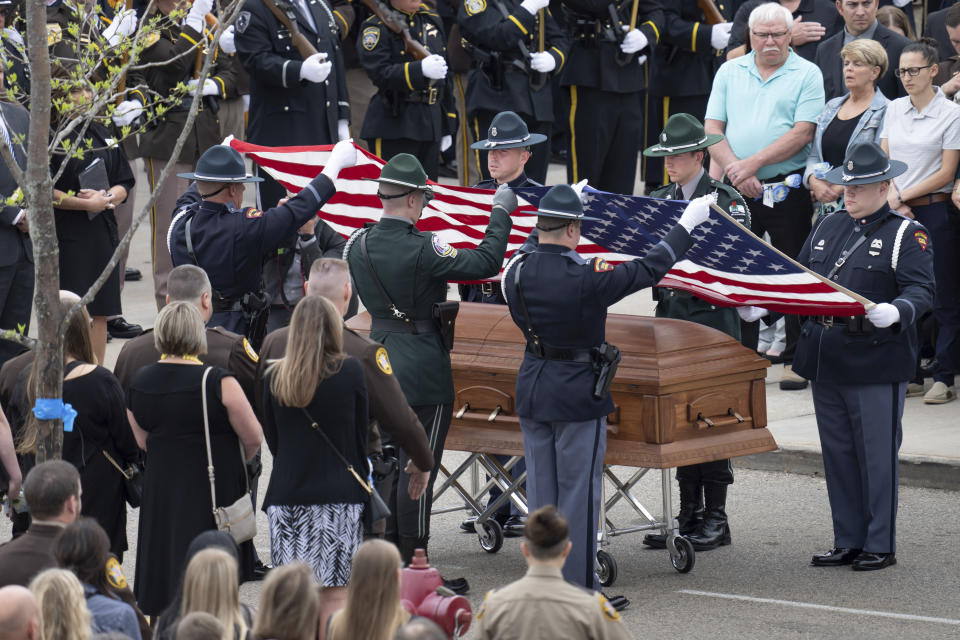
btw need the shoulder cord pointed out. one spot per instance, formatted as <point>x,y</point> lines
<point>896,244</point>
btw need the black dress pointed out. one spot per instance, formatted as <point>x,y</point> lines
<point>87,245</point>
<point>165,400</point>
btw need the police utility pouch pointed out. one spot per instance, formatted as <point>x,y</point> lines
<point>237,519</point>
<point>445,317</point>
<point>606,360</point>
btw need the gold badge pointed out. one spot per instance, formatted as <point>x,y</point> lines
<point>115,574</point>
<point>251,352</point>
<point>609,612</point>
<point>383,361</point>
<point>474,7</point>
<point>370,38</point>
<point>54,34</point>
<point>151,39</point>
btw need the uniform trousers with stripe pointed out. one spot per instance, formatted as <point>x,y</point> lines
<point>565,468</point>
<point>860,433</point>
<point>411,518</point>
<point>606,130</point>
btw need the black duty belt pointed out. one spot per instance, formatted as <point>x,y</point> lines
<point>591,29</point>
<point>829,321</point>
<point>221,304</point>
<point>424,96</point>
<point>396,325</point>
<point>546,352</point>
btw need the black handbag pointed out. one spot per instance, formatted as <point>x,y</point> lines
<point>378,509</point>
<point>132,481</point>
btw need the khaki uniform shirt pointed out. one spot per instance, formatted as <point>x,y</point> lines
<point>542,605</point>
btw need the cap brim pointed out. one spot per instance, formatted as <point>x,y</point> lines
<point>487,145</point>
<point>835,176</point>
<point>201,178</point>
<point>658,151</point>
<point>560,215</point>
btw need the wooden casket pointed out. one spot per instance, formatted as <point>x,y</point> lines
<point>684,393</point>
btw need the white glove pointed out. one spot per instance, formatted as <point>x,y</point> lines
<point>532,6</point>
<point>902,3</point>
<point>226,141</point>
<point>434,67</point>
<point>209,87</point>
<point>197,14</point>
<point>752,314</point>
<point>641,59</point>
<point>227,45</point>
<point>123,26</point>
<point>720,35</point>
<point>543,62</point>
<point>343,129</point>
<point>316,68</point>
<point>445,143</point>
<point>634,41</point>
<point>126,112</point>
<point>697,212</point>
<point>343,155</point>
<point>578,187</point>
<point>883,315</point>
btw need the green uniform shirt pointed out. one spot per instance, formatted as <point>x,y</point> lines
<point>682,305</point>
<point>414,267</point>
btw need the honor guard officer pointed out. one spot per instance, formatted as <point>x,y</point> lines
<point>295,99</point>
<point>401,274</point>
<point>559,300</point>
<point>413,110</point>
<point>226,240</point>
<point>510,71</point>
<point>859,366</point>
<point>683,145</point>
<point>604,84</point>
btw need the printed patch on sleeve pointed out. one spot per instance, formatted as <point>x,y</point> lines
<point>443,249</point>
<point>250,351</point>
<point>243,21</point>
<point>922,239</point>
<point>474,7</point>
<point>600,265</point>
<point>253,212</point>
<point>609,612</point>
<point>370,38</point>
<point>383,361</point>
<point>115,574</point>
<point>153,38</point>
<point>54,34</point>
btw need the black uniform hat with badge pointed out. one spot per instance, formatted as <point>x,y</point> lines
<point>220,163</point>
<point>563,203</point>
<point>865,163</point>
<point>404,170</point>
<point>508,131</point>
<point>682,134</point>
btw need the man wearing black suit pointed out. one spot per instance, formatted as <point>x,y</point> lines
<point>860,21</point>
<point>16,252</point>
<point>936,28</point>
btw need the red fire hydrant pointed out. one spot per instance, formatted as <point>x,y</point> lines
<point>420,593</point>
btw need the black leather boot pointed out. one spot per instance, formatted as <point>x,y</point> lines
<point>713,531</point>
<point>691,512</point>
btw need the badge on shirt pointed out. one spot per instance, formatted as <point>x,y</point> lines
<point>875,246</point>
<point>922,239</point>
<point>370,38</point>
<point>474,7</point>
<point>115,574</point>
<point>819,245</point>
<point>153,38</point>
<point>383,361</point>
<point>253,212</point>
<point>600,265</point>
<point>443,249</point>
<point>243,21</point>
<point>54,34</point>
<point>250,351</point>
<point>609,612</point>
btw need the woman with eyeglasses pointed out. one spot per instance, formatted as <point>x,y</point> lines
<point>923,130</point>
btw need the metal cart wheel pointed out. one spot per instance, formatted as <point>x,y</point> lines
<point>682,555</point>
<point>606,568</point>
<point>490,535</point>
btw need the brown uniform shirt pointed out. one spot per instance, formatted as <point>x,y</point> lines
<point>543,606</point>
<point>388,405</point>
<point>947,69</point>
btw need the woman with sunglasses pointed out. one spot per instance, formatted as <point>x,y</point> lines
<point>923,130</point>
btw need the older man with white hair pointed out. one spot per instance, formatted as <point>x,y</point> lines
<point>766,105</point>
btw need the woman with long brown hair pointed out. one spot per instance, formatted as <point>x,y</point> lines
<point>315,411</point>
<point>373,608</point>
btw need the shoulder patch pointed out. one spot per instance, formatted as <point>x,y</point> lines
<point>115,574</point>
<point>151,39</point>
<point>54,33</point>
<point>600,265</point>
<point>243,21</point>
<point>250,351</point>
<point>370,38</point>
<point>922,238</point>
<point>609,612</point>
<point>474,7</point>
<point>383,361</point>
<point>253,212</point>
<point>443,249</point>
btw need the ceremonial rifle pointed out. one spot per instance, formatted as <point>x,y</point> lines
<point>711,12</point>
<point>284,11</point>
<point>122,87</point>
<point>538,79</point>
<point>395,22</point>
<point>623,59</point>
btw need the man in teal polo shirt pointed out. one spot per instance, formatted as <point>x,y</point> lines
<point>766,105</point>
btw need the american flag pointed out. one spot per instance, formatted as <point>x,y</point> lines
<point>727,265</point>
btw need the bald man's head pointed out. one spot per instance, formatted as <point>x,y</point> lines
<point>330,278</point>
<point>19,614</point>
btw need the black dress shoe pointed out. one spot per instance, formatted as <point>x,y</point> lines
<point>617,602</point>
<point>469,525</point>
<point>867,561</point>
<point>132,275</point>
<point>120,328</point>
<point>260,570</point>
<point>459,586</point>
<point>836,557</point>
<point>513,527</point>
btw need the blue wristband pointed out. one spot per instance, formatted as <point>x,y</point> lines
<point>54,408</point>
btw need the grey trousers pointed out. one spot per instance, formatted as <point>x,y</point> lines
<point>565,468</point>
<point>860,434</point>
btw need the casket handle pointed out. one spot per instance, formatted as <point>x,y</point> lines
<point>463,410</point>
<point>731,417</point>
<point>736,415</point>
<point>495,413</point>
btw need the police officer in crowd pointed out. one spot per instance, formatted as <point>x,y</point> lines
<point>227,240</point>
<point>559,300</point>
<point>559,605</point>
<point>413,110</point>
<point>859,366</point>
<point>683,145</point>
<point>604,84</point>
<point>509,69</point>
<point>401,274</point>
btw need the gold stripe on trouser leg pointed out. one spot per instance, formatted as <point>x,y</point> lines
<point>464,133</point>
<point>476,153</point>
<point>573,132</point>
<point>152,179</point>
<point>378,148</point>
<point>666,116</point>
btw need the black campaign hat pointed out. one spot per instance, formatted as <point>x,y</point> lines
<point>508,131</point>
<point>220,163</point>
<point>562,202</point>
<point>865,163</point>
